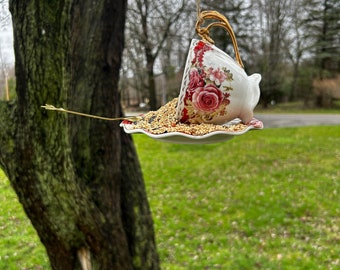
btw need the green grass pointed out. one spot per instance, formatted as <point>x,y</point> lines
<point>269,199</point>
<point>265,200</point>
<point>20,247</point>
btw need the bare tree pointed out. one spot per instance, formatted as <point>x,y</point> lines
<point>150,22</point>
<point>272,16</point>
<point>296,45</point>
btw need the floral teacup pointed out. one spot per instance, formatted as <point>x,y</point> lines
<point>215,88</point>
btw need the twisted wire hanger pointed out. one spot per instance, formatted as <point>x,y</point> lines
<point>52,108</point>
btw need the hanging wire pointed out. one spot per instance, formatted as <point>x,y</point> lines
<point>129,118</point>
<point>198,8</point>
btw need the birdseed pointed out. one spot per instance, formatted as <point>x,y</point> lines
<point>164,121</point>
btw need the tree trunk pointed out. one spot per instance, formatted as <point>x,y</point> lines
<point>78,179</point>
<point>293,87</point>
<point>151,84</point>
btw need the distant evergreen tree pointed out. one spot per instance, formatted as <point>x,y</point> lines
<point>323,26</point>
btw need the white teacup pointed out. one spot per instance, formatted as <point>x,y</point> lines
<point>215,88</point>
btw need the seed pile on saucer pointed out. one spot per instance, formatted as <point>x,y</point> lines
<point>164,121</point>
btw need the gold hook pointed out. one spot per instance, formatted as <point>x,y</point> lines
<point>222,22</point>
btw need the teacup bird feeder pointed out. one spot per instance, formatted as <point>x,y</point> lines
<point>216,98</point>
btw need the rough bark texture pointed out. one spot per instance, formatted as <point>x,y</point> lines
<point>78,179</point>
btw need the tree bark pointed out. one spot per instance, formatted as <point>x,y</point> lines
<point>79,179</point>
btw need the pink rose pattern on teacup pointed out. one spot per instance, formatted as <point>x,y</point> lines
<point>205,98</point>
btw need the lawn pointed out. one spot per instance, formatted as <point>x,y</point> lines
<point>19,245</point>
<point>269,199</point>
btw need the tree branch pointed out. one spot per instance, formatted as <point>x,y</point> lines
<point>170,22</point>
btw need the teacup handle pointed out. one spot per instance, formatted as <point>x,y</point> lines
<point>203,32</point>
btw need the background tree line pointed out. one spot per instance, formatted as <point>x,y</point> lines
<point>294,44</point>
